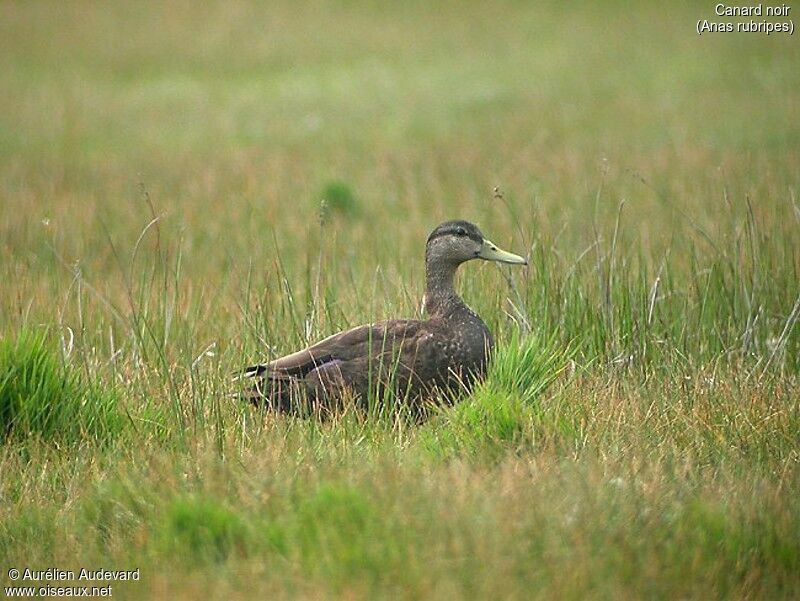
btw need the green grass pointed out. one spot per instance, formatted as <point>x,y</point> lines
<point>503,411</point>
<point>42,397</point>
<point>162,177</point>
<point>339,199</point>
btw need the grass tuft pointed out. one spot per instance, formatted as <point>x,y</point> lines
<point>336,528</point>
<point>44,397</point>
<point>501,412</point>
<point>203,530</point>
<point>340,199</point>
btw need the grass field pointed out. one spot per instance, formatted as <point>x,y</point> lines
<point>162,172</point>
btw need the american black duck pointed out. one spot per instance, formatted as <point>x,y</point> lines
<point>414,358</point>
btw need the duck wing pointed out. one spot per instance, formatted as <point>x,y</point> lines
<point>359,342</point>
<point>345,360</point>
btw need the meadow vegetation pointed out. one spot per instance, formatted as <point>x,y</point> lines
<point>188,188</point>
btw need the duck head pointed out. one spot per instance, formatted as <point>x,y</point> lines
<point>455,242</point>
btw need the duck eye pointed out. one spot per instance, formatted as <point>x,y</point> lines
<point>461,232</point>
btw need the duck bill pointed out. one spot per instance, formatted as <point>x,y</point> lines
<point>491,252</point>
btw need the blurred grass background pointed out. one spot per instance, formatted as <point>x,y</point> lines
<point>651,174</point>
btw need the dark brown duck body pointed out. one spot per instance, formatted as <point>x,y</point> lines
<point>414,360</point>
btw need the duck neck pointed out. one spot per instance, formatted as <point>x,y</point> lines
<point>440,294</point>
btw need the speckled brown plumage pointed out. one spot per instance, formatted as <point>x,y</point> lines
<point>415,359</point>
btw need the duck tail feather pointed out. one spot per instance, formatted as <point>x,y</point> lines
<point>249,372</point>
